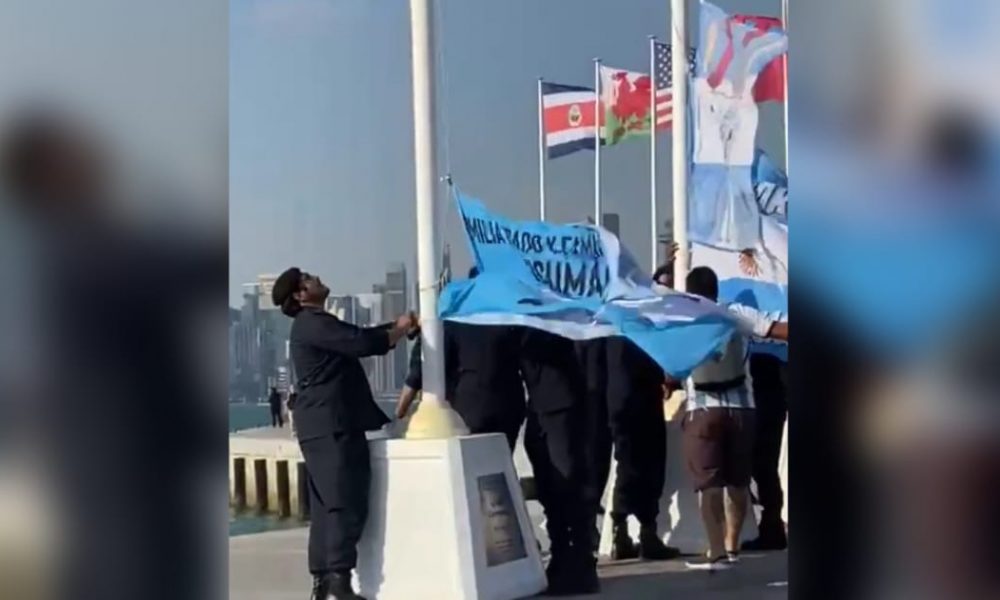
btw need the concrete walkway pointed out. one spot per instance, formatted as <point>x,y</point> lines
<point>272,566</point>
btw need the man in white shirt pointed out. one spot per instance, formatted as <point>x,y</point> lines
<point>718,427</point>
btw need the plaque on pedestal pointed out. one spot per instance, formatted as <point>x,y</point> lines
<point>501,531</point>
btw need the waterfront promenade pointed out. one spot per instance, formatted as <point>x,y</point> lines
<point>271,566</point>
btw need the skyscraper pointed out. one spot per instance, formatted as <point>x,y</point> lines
<point>259,338</point>
<point>395,303</point>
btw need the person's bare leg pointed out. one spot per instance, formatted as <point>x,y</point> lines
<point>736,510</point>
<point>713,515</point>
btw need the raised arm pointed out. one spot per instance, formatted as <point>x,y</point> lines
<point>779,331</point>
<point>758,324</point>
<point>334,335</point>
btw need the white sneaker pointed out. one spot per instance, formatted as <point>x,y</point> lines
<point>719,563</point>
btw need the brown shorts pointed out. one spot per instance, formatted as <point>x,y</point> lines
<point>718,446</point>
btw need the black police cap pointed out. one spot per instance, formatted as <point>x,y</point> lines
<point>285,285</point>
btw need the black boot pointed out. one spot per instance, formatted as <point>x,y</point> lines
<point>321,587</point>
<point>771,537</point>
<point>622,546</point>
<point>341,588</point>
<point>575,573</point>
<point>651,547</point>
<point>559,545</point>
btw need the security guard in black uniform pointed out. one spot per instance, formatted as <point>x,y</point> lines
<point>771,403</point>
<point>333,410</point>
<point>624,411</point>
<point>639,433</point>
<point>554,440</point>
<point>592,359</point>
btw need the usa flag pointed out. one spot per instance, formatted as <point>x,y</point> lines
<point>664,61</point>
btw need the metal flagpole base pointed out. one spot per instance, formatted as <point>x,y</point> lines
<point>432,420</point>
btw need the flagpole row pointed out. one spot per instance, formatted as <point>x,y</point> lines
<point>541,152</point>
<point>597,142</point>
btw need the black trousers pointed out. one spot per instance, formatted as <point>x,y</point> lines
<point>554,442</point>
<point>638,436</point>
<point>596,452</point>
<point>339,470</point>
<point>276,419</point>
<point>772,410</point>
<point>641,452</point>
<point>506,418</point>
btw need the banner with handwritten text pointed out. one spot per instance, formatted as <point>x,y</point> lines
<point>577,281</point>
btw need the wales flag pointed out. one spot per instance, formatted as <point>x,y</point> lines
<point>626,99</point>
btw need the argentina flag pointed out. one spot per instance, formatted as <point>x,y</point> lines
<point>738,201</point>
<point>723,211</point>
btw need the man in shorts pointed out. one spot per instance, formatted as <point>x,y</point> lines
<point>718,427</point>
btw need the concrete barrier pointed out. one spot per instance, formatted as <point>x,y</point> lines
<point>267,473</point>
<point>238,482</point>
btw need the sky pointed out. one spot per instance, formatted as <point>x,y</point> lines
<point>321,128</point>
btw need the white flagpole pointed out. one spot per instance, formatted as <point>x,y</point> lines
<point>541,152</point>
<point>678,39</point>
<point>784,24</point>
<point>653,217</point>
<point>597,142</point>
<point>433,418</point>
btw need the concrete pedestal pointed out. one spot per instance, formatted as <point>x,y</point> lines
<point>679,522</point>
<point>447,521</point>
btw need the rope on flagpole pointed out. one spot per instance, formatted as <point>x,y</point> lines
<point>444,209</point>
<point>441,67</point>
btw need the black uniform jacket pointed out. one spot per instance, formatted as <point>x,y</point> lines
<point>333,391</point>
<point>551,371</point>
<point>482,373</point>
<point>633,379</point>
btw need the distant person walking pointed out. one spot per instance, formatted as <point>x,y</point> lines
<point>274,399</point>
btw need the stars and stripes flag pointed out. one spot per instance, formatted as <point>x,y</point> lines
<point>568,118</point>
<point>663,59</point>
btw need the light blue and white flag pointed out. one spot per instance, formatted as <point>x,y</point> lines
<point>738,205</point>
<point>577,281</point>
<point>723,211</point>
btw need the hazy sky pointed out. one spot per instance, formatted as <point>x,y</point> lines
<point>321,142</point>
